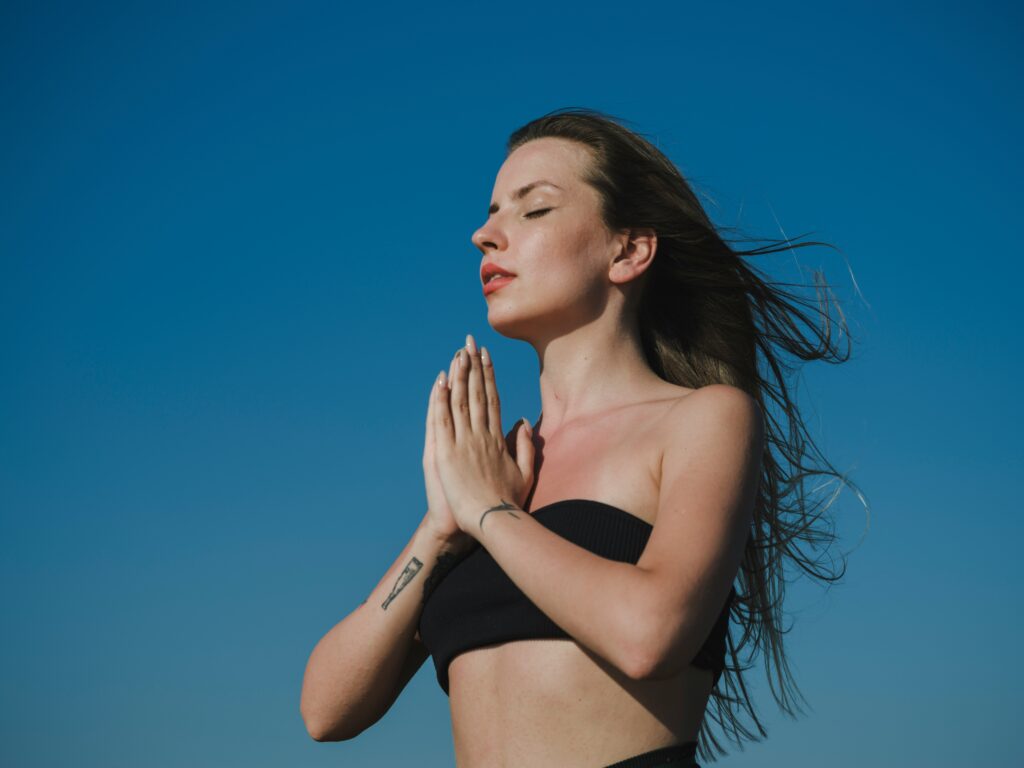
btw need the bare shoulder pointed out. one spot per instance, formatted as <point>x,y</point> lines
<point>716,409</point>
<point>724,396</point>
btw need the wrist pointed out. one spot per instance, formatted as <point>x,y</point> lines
<point>450,541</point>
<point>484,513</point>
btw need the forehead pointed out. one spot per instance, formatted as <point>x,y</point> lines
<point>558,160</point>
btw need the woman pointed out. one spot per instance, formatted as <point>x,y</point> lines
<point>577,576</point>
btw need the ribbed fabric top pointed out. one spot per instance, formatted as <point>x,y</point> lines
<point>477,604</point>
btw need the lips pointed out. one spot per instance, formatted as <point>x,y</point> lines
<point>489,268</point>
<point>497,283</point>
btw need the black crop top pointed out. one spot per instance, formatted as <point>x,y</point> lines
<point>477,604</point>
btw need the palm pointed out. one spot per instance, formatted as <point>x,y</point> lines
<point>440,511</point>
<point>444,521</point>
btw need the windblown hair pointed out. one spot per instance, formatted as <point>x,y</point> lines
<point>707,316</point>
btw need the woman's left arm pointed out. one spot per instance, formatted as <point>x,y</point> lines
<point>648,620</point>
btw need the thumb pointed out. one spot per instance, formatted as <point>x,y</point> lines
<point>525,451</point>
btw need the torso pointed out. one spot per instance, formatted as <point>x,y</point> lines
<point>548,702</point>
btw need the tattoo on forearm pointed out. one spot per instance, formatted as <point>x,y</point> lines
<point>505,506</point>
<point>404,578</point>
<point>445,562</point>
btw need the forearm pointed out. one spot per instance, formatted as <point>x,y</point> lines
<point>351,673</point>
<point>594,599</point>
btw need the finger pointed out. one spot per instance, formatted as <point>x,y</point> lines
<point>443,432</point>
<point>491,393</point>
<point>430,441</point>
<point>476,393</point>
<point>526,453</point>
<point>451,373</point>
<point>457,403</point>
<point>428,436</point>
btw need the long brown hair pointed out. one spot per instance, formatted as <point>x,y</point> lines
<point>706,316</point>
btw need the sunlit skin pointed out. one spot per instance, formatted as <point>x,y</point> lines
<point>572,278</point>
<point>609,431</point>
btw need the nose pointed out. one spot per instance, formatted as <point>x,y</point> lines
<point>488,238</point>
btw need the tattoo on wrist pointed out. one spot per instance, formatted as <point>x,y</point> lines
<point>404,578</point>
<point>503,506</point>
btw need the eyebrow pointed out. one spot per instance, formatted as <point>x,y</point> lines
<point>522,192</point>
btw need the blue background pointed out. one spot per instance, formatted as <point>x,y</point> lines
<point>235,252</point>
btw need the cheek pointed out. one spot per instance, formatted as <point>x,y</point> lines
<point>574,251</point>
<point>563,265</point>
<point>553,262</point>
<point>564,279</point>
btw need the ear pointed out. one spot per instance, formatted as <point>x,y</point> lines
<point>635,256</point>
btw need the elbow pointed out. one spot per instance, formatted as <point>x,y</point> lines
<point>649,662</point>
<point>644,665</point>
<point>316,732</point>
<point>643,659</point>
<point>324,729</point>
<point>659,668</point>
<point>316,728</point>
<point>319,731</point>
<point>655,650</point>
<point>325,719</point>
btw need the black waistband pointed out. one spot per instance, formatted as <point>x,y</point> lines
<point>675,755</point>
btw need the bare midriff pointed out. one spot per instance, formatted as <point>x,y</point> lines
<point>549,703</point>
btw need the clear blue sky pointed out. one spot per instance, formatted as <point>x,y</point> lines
<point>234,252</point>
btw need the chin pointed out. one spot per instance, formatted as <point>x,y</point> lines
<point>509,325</point>
<point>513,321</point>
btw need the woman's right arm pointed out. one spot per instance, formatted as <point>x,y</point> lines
<point>358,669</point>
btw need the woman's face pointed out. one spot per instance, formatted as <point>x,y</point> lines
<point>551,237</point>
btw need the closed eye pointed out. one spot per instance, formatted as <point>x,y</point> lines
<point>537,213</point>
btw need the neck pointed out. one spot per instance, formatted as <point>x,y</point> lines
<point>590,370</point>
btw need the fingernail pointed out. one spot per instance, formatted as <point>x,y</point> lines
<point>485,356</point>
<point>470,344</point>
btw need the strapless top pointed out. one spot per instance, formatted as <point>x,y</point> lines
<point>477,604</point>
